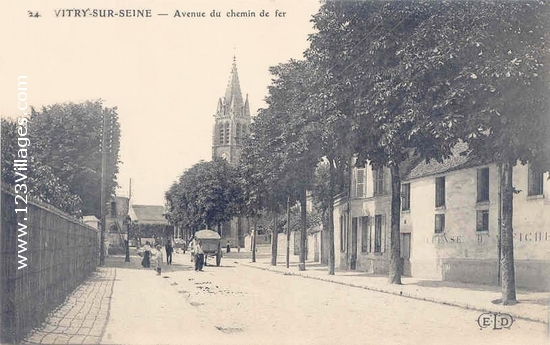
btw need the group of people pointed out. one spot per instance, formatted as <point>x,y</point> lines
<point>197,254</point>
<point>148,255</point>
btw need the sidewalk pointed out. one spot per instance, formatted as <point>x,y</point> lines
<point>123,303</point>
<point>83,316</point>
<point>532,306</point>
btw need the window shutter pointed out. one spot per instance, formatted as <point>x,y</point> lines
<point>354,183</point>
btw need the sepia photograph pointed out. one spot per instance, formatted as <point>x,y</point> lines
<point>275,172</point>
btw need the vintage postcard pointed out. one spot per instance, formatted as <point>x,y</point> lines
<point>275,172</point>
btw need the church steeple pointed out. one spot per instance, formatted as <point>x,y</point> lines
<point>232,120</point>
<point>233,96</point>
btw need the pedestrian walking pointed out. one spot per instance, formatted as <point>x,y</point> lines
<point>159,259</point>
<point>169,251</point>
<point>146,261</point>
<point>199,256</point>
<point>192,249</point>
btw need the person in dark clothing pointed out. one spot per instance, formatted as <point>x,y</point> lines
<point>199,256</point>
<point>146,262</point>
<point>169,250</point>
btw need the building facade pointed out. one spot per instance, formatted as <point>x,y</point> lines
<point>450,223</point>
<point>231,124</point>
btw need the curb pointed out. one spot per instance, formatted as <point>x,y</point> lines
<point>401,294</point>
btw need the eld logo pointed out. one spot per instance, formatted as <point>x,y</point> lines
<point>495,320</point>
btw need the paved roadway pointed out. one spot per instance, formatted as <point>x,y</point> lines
<point>233,304</point>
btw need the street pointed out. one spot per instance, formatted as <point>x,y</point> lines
<point>235,304</point>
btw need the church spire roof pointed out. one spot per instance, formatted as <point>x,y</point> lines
<point>233,96</point>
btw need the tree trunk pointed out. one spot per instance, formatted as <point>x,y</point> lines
<point>507,236</point>
<point>274,238</point>
<point>331,258</point>
<point>303,231</point>
<point>324,241</point>
<point>254,232</point>
<point>396,265</point>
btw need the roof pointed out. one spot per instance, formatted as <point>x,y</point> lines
<point>458,160</point>
<point>233,91</point>
<point>90,219</point>
<point>148,214</point>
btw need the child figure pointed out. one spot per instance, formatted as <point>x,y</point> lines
<point>159,259</point>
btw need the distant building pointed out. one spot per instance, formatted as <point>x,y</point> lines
<point>450,223</point>
<point>150,221</point>
<point>114,231</point>
<point>231,124</point>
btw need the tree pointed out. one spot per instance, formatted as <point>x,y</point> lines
<point>284,134</point>
<point>65,159</point>
<point>508,101</point>
<point>208,193</point>
<point>39,180</point>
<point>67,138</point>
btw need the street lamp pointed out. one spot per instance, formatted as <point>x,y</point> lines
<point>128,222</point>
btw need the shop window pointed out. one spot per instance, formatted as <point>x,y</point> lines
<point>535,181</point>
<point>482,220</point>
<point>439,223</point>
<point>482,184</point>
<point>440,191</point>
<point>405,196</point>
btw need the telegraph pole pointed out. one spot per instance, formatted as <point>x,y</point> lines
<point>103,196</point>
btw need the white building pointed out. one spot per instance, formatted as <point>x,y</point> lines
<point>449,223</point>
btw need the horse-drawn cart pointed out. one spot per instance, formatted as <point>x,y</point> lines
<point>211,244</point>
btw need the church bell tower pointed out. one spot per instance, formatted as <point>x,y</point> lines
<point>232,121</point>
<point>231,124</point>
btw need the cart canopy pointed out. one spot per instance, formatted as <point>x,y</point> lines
<point>207,234</point>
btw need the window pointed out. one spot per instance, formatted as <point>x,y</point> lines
<point>482,184</point>
<point>440,191</point>
<point>342,234</point>
<point>378,181</point>
<point>405,196</point>
<point>534,181</point>
<point>360,183</point>
<point>239,134</point>
<point>227,133</point>
<point>113,208</point>
<point>439,223</point>
<point>378,233</point>
<point>221,134</point>
<point>365,238</point>
<point>482,220</point>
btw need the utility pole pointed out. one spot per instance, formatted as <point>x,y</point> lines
<point>287,231</point>
<point>128,222</point>
<point>103,191</point>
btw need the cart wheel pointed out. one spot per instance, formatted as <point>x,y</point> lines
<point>218,258</point>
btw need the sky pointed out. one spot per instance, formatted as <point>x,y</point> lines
<point>165,73</point>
